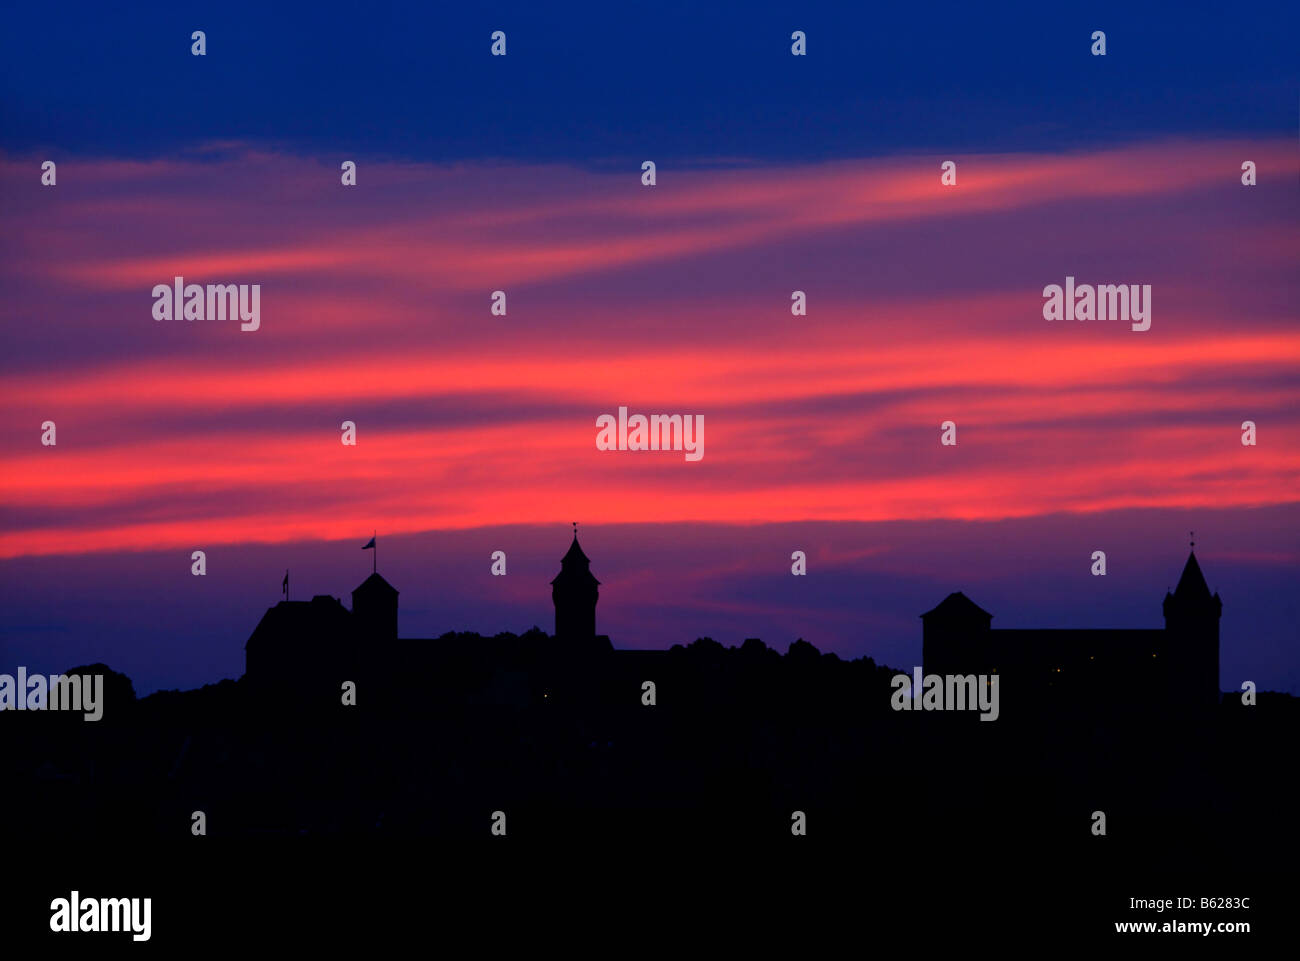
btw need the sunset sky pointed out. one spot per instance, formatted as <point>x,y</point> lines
<point>477,433</point>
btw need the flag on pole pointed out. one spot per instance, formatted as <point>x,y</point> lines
<point>374,558</point>
<point>370,545</point>
<point>285,586</point>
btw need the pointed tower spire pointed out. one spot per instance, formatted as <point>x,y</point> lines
<point>1192,583</point>
<point>1192,617</point>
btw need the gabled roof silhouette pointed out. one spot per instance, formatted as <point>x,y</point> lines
<point>321,616</point>
<point>1192,584</point>
<point>375,583</point>
<point>958,606</point>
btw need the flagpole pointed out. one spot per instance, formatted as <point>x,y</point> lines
<point>374,567</point>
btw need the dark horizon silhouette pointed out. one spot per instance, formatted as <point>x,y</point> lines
<point>449,746</point>
<point>561,733</point>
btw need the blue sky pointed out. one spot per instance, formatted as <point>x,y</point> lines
<point>599,83</point>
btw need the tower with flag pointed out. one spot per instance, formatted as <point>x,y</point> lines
<point>374,602</point>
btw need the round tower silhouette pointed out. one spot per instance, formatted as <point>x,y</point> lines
<point>574,592</point>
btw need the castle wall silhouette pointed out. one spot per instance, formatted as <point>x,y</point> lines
<point>303,643</point>
<point>295,634</point>
<point>1173,667</point>
<point>305,649</point>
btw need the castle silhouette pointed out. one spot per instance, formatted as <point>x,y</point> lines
<point>578,740</point>
<point>1176,667</point>
<point>305,649</point>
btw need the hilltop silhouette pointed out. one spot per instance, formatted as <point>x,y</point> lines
<point>560,732</point>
